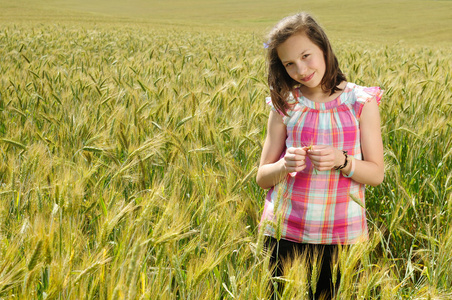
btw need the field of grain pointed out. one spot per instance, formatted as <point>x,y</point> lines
<point>128,157</point>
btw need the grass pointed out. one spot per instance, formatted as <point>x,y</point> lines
<point>128,155</point>
<point>385,22</point>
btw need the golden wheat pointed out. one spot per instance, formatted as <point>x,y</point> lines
<point>128,156</point>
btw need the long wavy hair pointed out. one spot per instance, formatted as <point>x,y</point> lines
<point>279,81</point>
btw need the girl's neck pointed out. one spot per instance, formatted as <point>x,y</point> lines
<point>319,95</point>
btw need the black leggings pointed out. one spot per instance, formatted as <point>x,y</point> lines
<point>287,250</point>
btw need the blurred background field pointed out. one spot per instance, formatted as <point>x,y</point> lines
<point>415,21</point>
<point>130,135</point>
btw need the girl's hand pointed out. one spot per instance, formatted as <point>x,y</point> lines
<point>325,157</point>
<point>295,160</point>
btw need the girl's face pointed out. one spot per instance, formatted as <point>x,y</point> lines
<point>304,61</point>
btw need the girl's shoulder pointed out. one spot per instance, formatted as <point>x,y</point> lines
<point>291,101</point>
<point>360,95</point>
<point>364,94</point>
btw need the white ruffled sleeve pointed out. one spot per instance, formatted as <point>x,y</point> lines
<point>364,95</point>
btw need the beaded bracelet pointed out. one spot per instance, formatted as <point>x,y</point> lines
<point>352,171</point>
<point>345,162</point>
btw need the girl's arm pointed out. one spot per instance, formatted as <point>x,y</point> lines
<point>370,170</point>
<point>273,168</point>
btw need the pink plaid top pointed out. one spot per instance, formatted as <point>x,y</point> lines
<point>321,207</point>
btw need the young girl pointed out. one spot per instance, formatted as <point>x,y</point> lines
<point>323,146</point>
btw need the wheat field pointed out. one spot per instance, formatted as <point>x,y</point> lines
<point>128,157</point>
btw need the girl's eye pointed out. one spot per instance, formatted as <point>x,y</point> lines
<point>288,65</point>
<point>305,56</point>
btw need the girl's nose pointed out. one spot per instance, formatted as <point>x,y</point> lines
<point>301,68</point>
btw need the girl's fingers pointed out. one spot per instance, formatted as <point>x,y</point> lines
<point>295,154</point>
<point>326,157</point>
<point>300,151</point>
<point>323,167</point>
<point>322,157</point>
<point>324,163</point>
<point>298,169</point>
<point>296,151</point>
<point>321,151</point>
<point>295,163</point>
<point>295,160</point>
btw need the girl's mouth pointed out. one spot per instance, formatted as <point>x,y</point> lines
<point>307,78</point>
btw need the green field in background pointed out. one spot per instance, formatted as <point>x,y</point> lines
<point>414,21</point>
<point>130,137</point>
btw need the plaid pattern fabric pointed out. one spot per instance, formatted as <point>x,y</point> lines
<point>321,207</point>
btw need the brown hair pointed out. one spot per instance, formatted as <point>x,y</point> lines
<point>279,81</point>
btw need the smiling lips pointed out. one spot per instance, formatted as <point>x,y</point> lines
<point>307,78</point>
